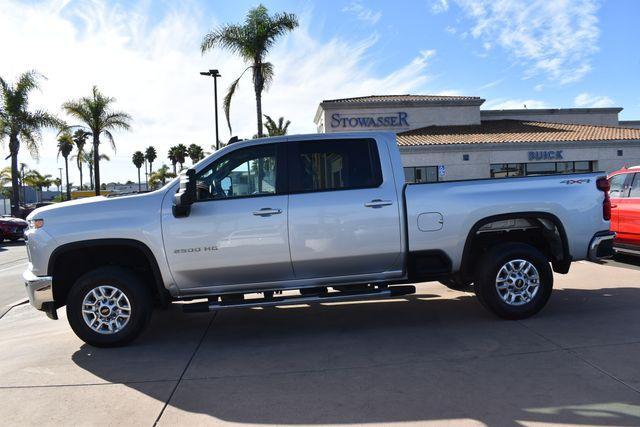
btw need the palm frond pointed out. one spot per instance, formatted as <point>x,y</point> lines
<point>226,103</point>
<point>229,37</point>
<point>110,139</point>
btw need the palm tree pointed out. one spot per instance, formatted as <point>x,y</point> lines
<point>20,125</point>
<point>276,129</point>
<point>36,180</point>
<point>251,41</point>
<point>96,113</point>
<point>138,161</point>
<point>161,176</point>
<point>5,178</point>
<point>80,139</point>
<point>150,155</point>
<point>65,146</point>
<point>195,152</point>
<point>87,157</point>
<point>177,154</point>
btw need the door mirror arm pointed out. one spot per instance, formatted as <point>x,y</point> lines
<point>186,194</point>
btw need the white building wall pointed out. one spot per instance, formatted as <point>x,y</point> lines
<point>602,117</point>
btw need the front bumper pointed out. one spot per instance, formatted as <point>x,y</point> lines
<point>40,292</point>
<point>601,246</point>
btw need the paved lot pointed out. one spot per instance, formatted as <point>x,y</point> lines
<point>435,357</point>
<point>13,261</point>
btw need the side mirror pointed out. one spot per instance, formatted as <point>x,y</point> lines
<point>186,195</point>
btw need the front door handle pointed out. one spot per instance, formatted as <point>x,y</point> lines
<point>267,212</point>
<point>378,203</point>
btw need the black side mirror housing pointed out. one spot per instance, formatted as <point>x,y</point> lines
<point>186,195</point>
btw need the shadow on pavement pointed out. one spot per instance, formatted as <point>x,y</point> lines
<point>414,358</point>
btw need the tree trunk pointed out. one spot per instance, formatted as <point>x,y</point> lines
<point>149,175</point>
<point>80,170</point>
<point>14,146</point>
<point>96,162</point>
<point>174,167</point>
<point>259,111</point>
<point>66,172</point>
<point>139,184</point>
<point>90,177</point>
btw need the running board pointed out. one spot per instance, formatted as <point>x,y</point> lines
<point>336,296</point>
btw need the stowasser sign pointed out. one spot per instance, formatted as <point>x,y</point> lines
<point>398,119</point>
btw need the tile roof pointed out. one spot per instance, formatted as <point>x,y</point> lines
<point>501,131</point>
<point>404,98</point>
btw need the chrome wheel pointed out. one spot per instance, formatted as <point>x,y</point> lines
<point>106,309</point>
<point>517,282</point>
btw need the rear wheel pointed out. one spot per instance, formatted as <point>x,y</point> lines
<point>109,307</point>
<point>514,280</point>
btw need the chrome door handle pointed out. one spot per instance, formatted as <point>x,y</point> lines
<point>267,212</point>
<point>378,203</point>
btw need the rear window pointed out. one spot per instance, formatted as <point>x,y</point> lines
<point>335,165</point>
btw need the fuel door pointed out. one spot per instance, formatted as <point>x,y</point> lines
<point>430,221</point>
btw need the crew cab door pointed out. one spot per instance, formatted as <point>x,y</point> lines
<point>236,232</point>
<point>619,191</point>
<point>344,217</point>
<point>628,211</point>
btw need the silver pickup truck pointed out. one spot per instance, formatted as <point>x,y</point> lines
<point>303,219</point>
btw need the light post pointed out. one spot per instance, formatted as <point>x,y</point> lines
<point>215,74</point>
<point>60,187</point>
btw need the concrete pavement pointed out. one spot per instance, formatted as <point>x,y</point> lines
<point>435,357</point>
<point>13,261</point>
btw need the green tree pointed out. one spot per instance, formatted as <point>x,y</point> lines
<point>20,125</point>
<point>196,153</point>
<point>150,155</point>
<point>276,129</point>
<point>160,176</point>
<point>80,139</point>
<point>177,154</point>
<point>96,114</point>
<point>65,147</point>
<point>87,157</point>
<point>138,161</point>
<point>36,180</point>
<point>251,41</point>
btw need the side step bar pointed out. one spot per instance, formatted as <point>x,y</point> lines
<point>336,296</point>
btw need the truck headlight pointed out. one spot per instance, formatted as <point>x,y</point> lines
<point>36,223</point>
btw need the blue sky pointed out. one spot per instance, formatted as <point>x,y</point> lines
<point>579,53</point>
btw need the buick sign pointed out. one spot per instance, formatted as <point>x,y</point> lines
<point>545,155</point>
<point>398,119</point>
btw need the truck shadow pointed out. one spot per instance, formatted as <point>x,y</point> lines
<point>416,358</point>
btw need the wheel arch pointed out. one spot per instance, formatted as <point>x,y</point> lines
<point>113,248</point>
<point>561,262</point>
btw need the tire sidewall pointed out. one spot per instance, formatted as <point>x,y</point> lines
<point>492,263</point>
<point>126,281</point>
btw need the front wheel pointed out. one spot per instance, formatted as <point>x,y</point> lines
<point>514,280</point>
<point>109,307</point>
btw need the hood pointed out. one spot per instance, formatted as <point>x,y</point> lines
<point>95,206</point>
<point>12,221</point>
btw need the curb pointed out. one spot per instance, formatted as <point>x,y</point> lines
<point>7,308</point>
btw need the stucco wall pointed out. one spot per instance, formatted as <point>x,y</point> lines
<point>481,157</point>
<point>609,118</point>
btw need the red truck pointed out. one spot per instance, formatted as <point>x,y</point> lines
<point>625,209</point>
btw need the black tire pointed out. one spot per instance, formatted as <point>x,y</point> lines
<point>140,303</point>
<point>486,278</point>
<point>458,285</point>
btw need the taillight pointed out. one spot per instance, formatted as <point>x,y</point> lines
<point>603,185</point>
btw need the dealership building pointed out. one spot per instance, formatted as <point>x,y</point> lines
<point>443,138</point>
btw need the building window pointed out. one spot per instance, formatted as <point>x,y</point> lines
<point>465,157</point>
<point>421,174</point>
<point>510,170</point>
<point>619,153</point>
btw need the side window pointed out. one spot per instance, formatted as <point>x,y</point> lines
<point>335,165</point>
<point>635,187</point>
<point>617,185</point>
<point>245,172</point>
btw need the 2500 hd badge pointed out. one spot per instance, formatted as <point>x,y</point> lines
<point>192,250</point>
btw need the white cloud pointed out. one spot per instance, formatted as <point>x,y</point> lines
<point>363,13</point>
<point>439,6</point>
<point>550,39</point>
<point>152,66</point>
<point>490,84</point>
<point>451,30</point>
<point>587,100</point>
<point>513,104</point>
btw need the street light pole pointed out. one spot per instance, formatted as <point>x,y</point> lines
<point>215,74</point>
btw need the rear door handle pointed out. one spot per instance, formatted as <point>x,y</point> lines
<point>267,212</point>
<point>378,203</point>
